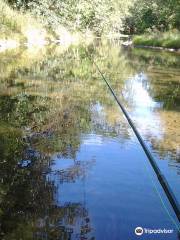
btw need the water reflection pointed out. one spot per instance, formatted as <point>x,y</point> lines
<point>66,148</point>
<point>164,88</point>
<point>68,170</point>
<point>75,215</point>
<point>148,83</point>
<point>143,107</point>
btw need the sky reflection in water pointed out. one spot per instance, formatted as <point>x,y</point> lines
<point>89,177</point>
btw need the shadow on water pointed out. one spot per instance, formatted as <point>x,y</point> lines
<point>53,104</point>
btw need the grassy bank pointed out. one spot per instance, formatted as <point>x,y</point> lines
<point>96,16</point>
<point>19,27</point>
<point>29,27</point>
<point>164,40</point>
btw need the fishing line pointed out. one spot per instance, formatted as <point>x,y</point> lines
<point>160,197</point>
<point>162,180</point>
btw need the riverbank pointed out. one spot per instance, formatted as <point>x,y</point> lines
<point>163,41</point>
<point>23,28</point>
<point>18,27</point>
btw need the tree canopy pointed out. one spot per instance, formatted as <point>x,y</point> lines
<point>161,15</point>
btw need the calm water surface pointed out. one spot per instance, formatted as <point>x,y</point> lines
<point>70,165</point>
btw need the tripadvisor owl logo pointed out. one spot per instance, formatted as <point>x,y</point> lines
<point>139,231</point>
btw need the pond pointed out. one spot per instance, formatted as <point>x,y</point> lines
<point>70,165</point>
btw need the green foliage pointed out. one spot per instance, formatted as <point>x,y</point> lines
<point>14,24</point>
<point>166,40</point>
<point>171,43</point>
<point>76,15</point>
<point>154,14</point>
<point>100,16</point>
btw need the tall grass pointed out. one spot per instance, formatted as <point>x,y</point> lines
<point>14,24</point>
<point>169,39</point>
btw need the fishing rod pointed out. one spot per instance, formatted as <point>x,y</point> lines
<point>165,185</point>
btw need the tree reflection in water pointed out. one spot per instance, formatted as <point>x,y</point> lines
<point>28,209</point>
<point>31,212</point>
<point>47,100</point>
<point>74,218</point>
<point>69,220</point>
